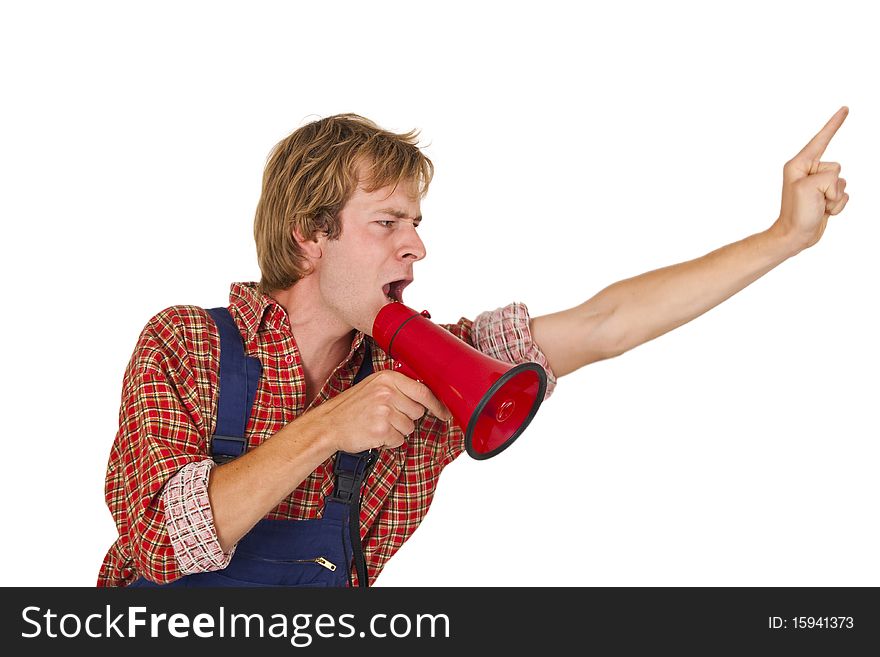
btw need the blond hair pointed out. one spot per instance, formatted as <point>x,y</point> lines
<point>312,173</point>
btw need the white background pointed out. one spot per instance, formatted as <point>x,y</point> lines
<point>576,144</point>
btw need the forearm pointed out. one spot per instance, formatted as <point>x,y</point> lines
<point>246,489</point>
<point>647,306</point>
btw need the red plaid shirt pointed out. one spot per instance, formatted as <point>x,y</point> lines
<point>167,416</point>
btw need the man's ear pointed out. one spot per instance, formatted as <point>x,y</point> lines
<point>313,248</point>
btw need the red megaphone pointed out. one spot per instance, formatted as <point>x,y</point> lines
<point>491,401</point>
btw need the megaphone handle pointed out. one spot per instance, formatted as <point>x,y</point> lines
<point>405,370</point>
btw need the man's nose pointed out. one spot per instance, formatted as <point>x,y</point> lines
<point>412,246</point>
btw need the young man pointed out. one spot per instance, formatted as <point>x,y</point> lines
<point>336,233</point>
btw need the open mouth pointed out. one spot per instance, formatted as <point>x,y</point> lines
<point>394,291</point>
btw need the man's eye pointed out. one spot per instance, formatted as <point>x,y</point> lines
<point>387,223</point>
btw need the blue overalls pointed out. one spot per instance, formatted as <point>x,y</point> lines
<point>315,552</point>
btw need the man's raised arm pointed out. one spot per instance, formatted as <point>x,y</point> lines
<point>636,310</point>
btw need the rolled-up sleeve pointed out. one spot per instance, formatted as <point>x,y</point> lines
<point>504,334</point>
<point>190,522</point>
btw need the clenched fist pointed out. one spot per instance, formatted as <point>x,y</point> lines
<point>380,411</point>
<point>812,190</point>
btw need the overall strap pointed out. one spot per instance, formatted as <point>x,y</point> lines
<point>350,470</point>
<point>239,376</point>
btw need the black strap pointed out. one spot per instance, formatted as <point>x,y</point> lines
<point>350,471</point>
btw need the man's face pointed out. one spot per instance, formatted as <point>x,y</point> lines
<point>373,259</point>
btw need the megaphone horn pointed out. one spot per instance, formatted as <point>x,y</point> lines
<point>491,401</point>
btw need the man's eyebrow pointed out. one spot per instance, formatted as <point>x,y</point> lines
<point>400,214</point>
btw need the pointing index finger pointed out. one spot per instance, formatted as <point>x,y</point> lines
<point>813,151</point>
